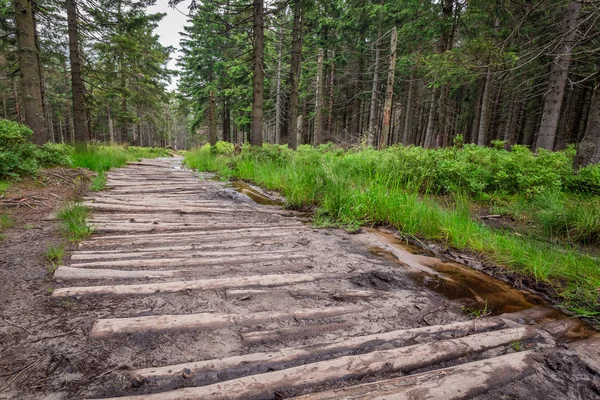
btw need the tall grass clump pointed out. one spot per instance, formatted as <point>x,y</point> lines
<point>429,193</point>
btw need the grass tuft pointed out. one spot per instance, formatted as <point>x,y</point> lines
<point>99,182</point>
<point>72,217</point>
<point>54,255</point>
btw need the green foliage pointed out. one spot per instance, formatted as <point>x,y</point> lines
<point>396,187</point>
<point>72,217</point>
<point>18,156</point>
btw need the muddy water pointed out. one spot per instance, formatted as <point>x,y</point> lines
<point>476,290</point>
<point>258,197</point>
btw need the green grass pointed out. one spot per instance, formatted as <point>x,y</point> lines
<point>102,158</point>
<point>401,187</point>
<point>54,255</point>
<point>72,217</point>
<point>98,183</point>
<point>4,186</point>
<point>5,222</point>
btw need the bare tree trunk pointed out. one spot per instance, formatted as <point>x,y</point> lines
<point>295,75</point>
<point>588,151</point>
<point>79,110</point>
<point>226,122</point>
<point>212,119</point>
<point>330,127</point>
<point>429,139</point>
<point>389,93</point>
<point>29,65</point>
<point>318,129</point>
<point>258,76</point>
<point>558,78</point>
<point>485,101</point>
<point>111,128</point>
<point>371,138</point>
<point>278,104</point>
<point>407,118</point>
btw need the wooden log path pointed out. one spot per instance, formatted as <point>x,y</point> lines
<point>214,297</point>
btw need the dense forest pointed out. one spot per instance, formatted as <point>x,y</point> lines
<point>422,72</point>
<point>79,71</point>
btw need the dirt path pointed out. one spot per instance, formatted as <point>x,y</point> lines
<point>189,290</point>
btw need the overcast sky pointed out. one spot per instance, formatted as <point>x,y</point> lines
<point>170,26</point>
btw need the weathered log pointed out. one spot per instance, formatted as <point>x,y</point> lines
<point>403,359</point>
<point>461,382</point>
<point>201,284</point>
<point>275,255</point>
<point>208,321</point>
<point>262,362</point>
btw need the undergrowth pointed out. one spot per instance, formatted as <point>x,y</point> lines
<point>19,157</point>
<point>401,186</point>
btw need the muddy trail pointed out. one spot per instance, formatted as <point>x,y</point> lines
<point>189,289</point>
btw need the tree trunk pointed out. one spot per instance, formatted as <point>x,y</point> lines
<point>295,75</point>
<point>226,122</point>
<point>78,90</point>
<point>389,93</point>
<point>407,118</point>
<point>318,129</point>
<point>258,77</point>
<point>429,132</point>
<point>278,104</point>
<point>212,119</point>
<point>29,65</point>
<point>483,115</point>
<point>558,78</point>
<point>330,127</point>
<point>588,151</point>
<point>371,138</point>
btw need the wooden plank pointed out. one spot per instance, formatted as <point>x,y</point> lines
<point>216,235</point>
<point>461,382</point>
<point>403,359</point>
<point>69,273</point>
<point>201,239</point>
<point>275,255</point>
<point>201,284</point>
<point>207,321</point>
<point>168,253</point>
<point>263,362</point>
<point>296,355</point>
<point>91,254</point>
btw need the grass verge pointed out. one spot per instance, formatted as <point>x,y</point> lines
<point>401,187</point>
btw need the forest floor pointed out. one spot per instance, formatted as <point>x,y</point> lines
<point>190,289</point>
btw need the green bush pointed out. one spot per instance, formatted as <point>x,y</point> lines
<point>17,153</point>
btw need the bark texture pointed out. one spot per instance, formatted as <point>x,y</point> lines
<point>29,64</point>
<point>258,77</point>
<point>558,79</point>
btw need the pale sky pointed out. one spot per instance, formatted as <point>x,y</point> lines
<point>169,28</point>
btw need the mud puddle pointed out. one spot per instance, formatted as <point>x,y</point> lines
<point>256,195</point>
<point>479,293</point>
